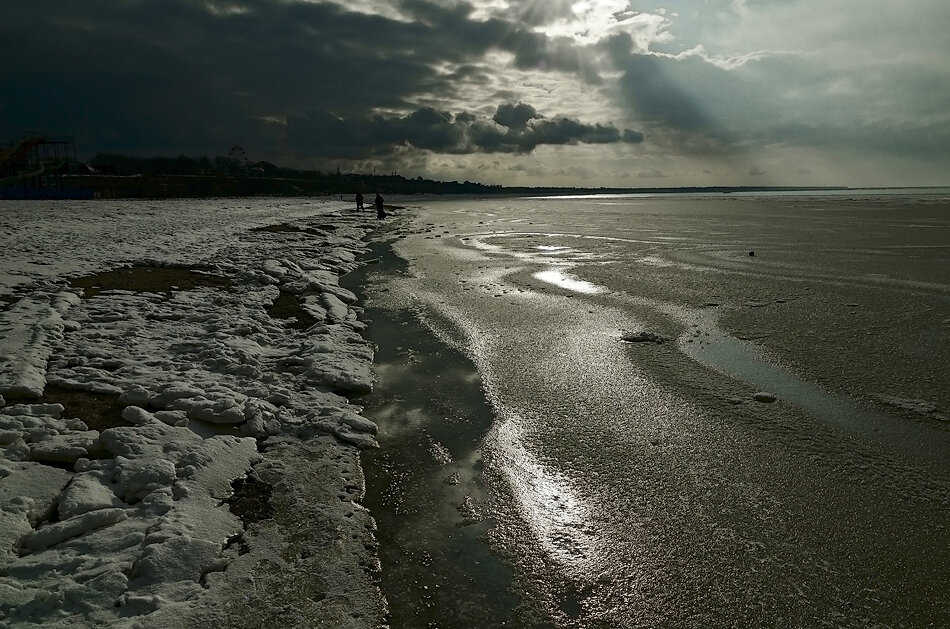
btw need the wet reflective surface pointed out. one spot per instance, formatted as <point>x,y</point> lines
<point>424,484</point>
<point>633,484</point>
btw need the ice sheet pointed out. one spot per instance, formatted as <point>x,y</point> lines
<point>111,520</point>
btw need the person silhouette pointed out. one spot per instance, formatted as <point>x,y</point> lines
<point>359,201</point>
<point>380,212</point>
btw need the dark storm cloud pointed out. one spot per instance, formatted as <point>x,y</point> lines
<point>195,76</point>
<point>150,75</point>
<point>515,116</point>
<point>720,82</point>
<point>515,128</point>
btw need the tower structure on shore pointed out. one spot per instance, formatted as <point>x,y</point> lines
<point>35,166</point>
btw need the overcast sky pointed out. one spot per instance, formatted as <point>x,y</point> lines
<point>535,92</point>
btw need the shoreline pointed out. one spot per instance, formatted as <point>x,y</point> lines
<point>425,487</point>
<point>635,479</point>
<point>228,488</point>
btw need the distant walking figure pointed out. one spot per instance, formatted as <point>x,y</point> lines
<point>359,201</point>
<point>380,212</point>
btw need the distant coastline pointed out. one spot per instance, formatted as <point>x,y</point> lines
<point>169,186</point>
<point>116,176</point>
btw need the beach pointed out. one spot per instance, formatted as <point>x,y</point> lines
<point>179,443</point>
<point>710,410</point>
<point>599,411</point>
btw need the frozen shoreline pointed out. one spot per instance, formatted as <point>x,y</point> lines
<point>137,521</point>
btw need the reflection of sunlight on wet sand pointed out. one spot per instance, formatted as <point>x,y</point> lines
<point>563,280</point>
<point>559,519</point>
<point>479,243</point>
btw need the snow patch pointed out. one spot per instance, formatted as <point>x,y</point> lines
<point>130,523</point>
<point>29,330</point>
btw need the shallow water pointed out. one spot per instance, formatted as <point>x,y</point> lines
<point>641,484</point>
<point>424,484</point>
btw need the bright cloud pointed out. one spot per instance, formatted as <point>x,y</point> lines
<point>591,21</point>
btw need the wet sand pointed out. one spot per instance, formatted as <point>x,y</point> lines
<point>661,483</point>
<point>424,483</point>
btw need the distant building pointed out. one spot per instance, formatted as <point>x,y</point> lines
<point>34,168</point>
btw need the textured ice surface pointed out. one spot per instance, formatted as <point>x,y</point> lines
<point>28,331</point>
<point>132,524</point>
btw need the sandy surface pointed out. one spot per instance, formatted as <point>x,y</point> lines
<point>686,434</point>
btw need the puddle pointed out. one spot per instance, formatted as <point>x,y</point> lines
<point>251,500</point>
<point>424,484</point>
<point>289,308</point>
<point>277,229</point>
<point>739,359</point>
<point>568,282</point>
<point>98,411</point>
<point>142,278</point>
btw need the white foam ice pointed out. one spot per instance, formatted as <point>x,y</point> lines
<point>129,524</point>
<point>29,329</point>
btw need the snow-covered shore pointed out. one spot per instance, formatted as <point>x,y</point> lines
<point>178,443</point>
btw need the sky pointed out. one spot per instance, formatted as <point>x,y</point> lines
<point>511,92</point>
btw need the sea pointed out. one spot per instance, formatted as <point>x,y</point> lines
<point>710,410</point>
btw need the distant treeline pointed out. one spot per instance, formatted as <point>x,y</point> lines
<point>248,177</point>
<point>125,165</point>
<point>121,176</point>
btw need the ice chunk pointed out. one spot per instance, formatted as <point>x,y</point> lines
<point>172,418</point>
<point>34,410</point>
<point>358,422</point>
<point>86,492</point>
<point>64,448</point>
<point>154,439</point>
<point>39,485</point>
<point>340,363</point>
<point>135,396</point>
<point>274,269</point>
<point>177,559</point>
<point>14,524</point>
<point>217,461</point>
<point>359,439</point>
<point>922,408</point>
<point>336,309</point>
<point>261,418</point>
<point>53,534</point>
<point>172,392</point>
<point>217,412</point>
<point>137,478</point>
<point>136,415</point>
<point>28,331</point>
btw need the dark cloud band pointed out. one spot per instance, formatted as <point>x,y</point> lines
<point>515,128</point>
